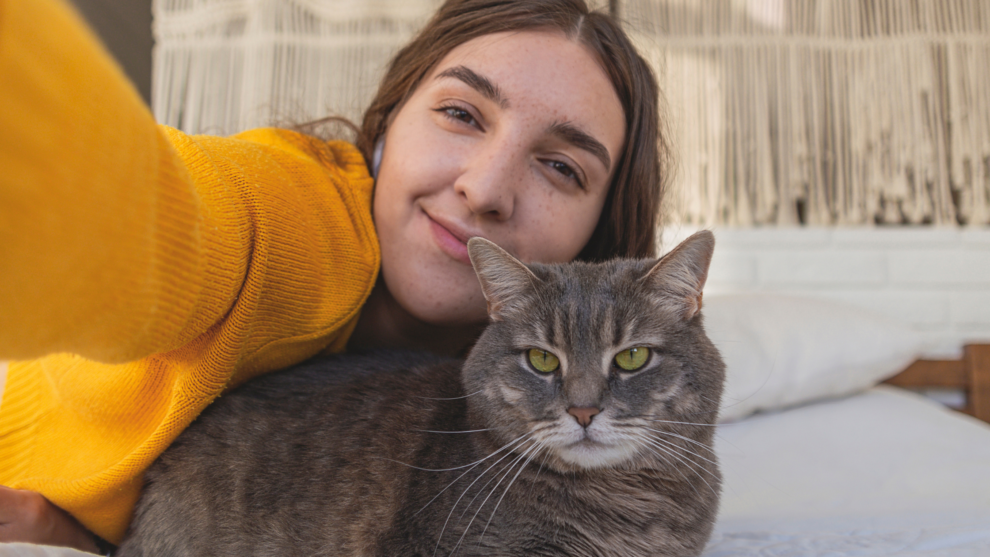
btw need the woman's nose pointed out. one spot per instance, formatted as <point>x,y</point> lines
<point>489,183</point>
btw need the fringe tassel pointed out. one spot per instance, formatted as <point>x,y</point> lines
<point>824,112</point>
<point>223,66</point>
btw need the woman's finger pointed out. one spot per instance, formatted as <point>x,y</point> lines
<point>26,516</point>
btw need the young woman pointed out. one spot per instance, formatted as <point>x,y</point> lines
<point>144,271</point>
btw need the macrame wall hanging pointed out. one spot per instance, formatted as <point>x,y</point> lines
<point>223,66</point>
<point>822,112</point>
<point>784,112</point>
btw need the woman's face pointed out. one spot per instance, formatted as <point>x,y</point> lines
<point>512,137</point>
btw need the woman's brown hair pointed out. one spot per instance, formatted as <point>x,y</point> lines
<point>629,220</point>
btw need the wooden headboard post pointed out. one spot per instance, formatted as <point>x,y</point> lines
<point>977,357</point>
<point>971,374</point>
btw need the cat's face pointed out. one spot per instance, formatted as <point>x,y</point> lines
<point>589,366</point>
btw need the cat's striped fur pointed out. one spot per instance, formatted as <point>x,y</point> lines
<point>403,454</point>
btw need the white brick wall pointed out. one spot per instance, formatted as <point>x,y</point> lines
<point>937,280</point>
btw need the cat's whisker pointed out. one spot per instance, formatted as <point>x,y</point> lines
<point>693,466</point>
<point>678,470</point>
<point>439,431</point>
<point>451,398</point>
<point>540,428</point>
<point>521,468</point>
<point>457,479</point>
<point>683,449</point>
<point>706,425</point>
<point>680,423</point>
<point>688,439</point>
<point>507,469</point>
<point>708,413</point>
<point>719,425</point>
<point>492,492</point>
<point>481,489</point>
<point>500,475</point>
<point>751,395</point>
<point>688,482</point>
<point>545,457</point>
<point>735,403</point>
<point>456,467</point>
<point>680,451</point>
<point>468,488</point>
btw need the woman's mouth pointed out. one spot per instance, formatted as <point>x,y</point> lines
<point>449,242</point>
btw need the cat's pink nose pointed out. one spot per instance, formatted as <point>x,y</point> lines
<point>583,415</point>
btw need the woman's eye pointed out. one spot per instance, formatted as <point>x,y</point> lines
<point>566,170</point>
<point>455,113</point>
<point>633,358</point>
<point>563,169</point>
<point>543,361</point>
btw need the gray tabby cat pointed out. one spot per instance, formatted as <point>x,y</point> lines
<point>580,424</point>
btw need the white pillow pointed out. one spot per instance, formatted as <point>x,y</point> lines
<point>781,351</point>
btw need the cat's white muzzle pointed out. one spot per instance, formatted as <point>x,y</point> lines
<point>597,446</point>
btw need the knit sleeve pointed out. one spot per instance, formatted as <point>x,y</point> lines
<point>120,238</point>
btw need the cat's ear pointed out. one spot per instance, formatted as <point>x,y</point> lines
<point>505,281</point>
<point>679,277</point>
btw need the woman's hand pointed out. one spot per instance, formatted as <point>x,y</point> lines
<point>26,516</point>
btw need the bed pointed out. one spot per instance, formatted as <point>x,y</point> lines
<point>826,448</point>
<point>883,472</point>
<point>859,469</point>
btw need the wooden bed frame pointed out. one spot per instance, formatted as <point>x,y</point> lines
<point>971,374</point>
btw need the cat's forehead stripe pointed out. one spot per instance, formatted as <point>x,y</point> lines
<point>619,331</point>
<point>607,323</point>
<point>584,315</point>
<point>556,332</point>
<point>551,328</point>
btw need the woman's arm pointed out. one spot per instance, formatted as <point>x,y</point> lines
<point>189,263</point>
<point>99,222</point>
<point>102,233</point>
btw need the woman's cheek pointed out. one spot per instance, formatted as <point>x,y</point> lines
<point>558,228</point>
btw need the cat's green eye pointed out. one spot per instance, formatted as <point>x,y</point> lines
<point>543,361</point>
<point>633,358</point>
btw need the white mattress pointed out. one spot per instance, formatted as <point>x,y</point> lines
<point>885,472</point>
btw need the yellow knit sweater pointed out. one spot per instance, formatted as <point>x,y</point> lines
<point>144,271</point>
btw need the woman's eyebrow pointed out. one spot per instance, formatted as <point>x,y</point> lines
<point>477,82</point>
<point>566,131</point>
<point>582,140</point>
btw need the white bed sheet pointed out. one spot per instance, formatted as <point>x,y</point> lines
<point>885,472</point>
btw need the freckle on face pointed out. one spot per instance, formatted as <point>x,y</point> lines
<point>493,181</point>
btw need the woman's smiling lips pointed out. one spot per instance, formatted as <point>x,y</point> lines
<point>451,239</point>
